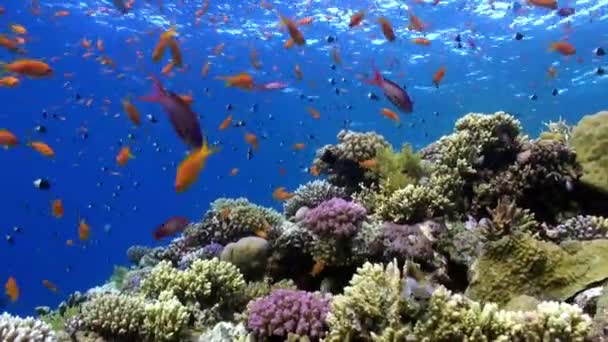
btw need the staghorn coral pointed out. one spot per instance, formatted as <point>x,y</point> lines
<point>536,268</point>
<point>505,219</point>
<point>17,329</point>
<point>310,195</point>
<point>581,227</point>
<point>453,317</point>
<point>341,161</point>
<point>230,219</point>
<point>335,218</point>
<point>370,304</point>
<point>115,316</point>
<point>590,141</point>
<point>289,311</point>
<point>165,319</point>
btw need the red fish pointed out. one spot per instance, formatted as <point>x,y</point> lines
<point>184,120</point>
<point>393,92</point>
<point>171,227</point>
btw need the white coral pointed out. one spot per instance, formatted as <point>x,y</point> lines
<point>17,329</point>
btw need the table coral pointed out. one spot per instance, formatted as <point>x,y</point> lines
<point>289,311</point>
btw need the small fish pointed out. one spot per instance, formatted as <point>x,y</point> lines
<point>18,29</point>
<point>52,287</point>
<point>226,123</point>
<point>99,45</point>
<point>288,43</point>
<point>11,289</point>
<point>9,81</point>
<point>218,49</point>
<point>551,72</point>
<point>280,194</point>
<point>172,226</point>
<point>335,55</point>
<point>234,172</point>
<point>42,148</point>
<point>371,163</point>
<point>314,113</point>
<point>415,23</point>
<point>299,146</point>
<point>253,57</point>
<point>176,55</point>
<point>298,72</point>
<point>563,48</point>
<point>263,231</point>
<point>57,208</point>
<point>184,120</point>
<point>7,139</point>
<point>132,112</point>
<point>314,171</point>
<point>305,21</point>
<point>549,4</point>
<point>295,33</point>
<point>28,67</point>
<point>252,140</point>
<point>390,114</point>
<point>190,168</point>
<point>161,46</point>
<point>356,19</point>
<point>566,11</point>
<point>84,230</point>
<point>438,76</point>
<point>387,29</point>
<point>205,70</point>
<point>318,267</point>
<point>242,80</point>
<point>421,41</point>
<point>272,85</point>
<point>123,156</point>
<point>393,92</point>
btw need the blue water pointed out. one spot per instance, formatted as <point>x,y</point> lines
<point>499,74</point>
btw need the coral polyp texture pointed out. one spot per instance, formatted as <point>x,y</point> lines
<point>484,235</point>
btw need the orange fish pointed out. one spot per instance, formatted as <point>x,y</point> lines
<point>63,13</point>
<point>314,113</point>
<point>280,194</point>
<point>84,231</point>
<point>190,168</point>
<point>293,30</point>
<point>415,23</point>
<point>254,59</point>
<point>18,29</point>
<point>42,148</point>
<point>176,55</point>
<point>187,98</point>
<point>550,4</point>
<point>387,29</point>
<point>564,48</point>
<point>369,163</point>
<point>421,41</point>
<point>262,231</point>
<point>305,21</point>
<point>252,140</point>
<point>52,287</point>
<point>226,123</point>
<point>201,11</point>
<point>298,72</point>
<point>234,172</point>
<point>299,146</point>
<point>167,68</point>
<point>288,43</point>
<point>161,46</point>
<point>205,70</point>
<point>551,72</point>
<point>9,81</point>
<point>57,208</point>
<point>242,80</point>
<point>10,44</point>
<point>11,289</point>
<point>390,114</point>
<point>85,43</point>
<point>313,170</point>
<point>100,45</point>
<point>28,67</point>
<point>132,112</point>
<point>218,49</point>
<point>317,268</point>
<point>439,76</point>
<point>7,139</point>
<point>335,54</point>
<point>123,156</point>
<point>69,242</point>
<point>356,19</point>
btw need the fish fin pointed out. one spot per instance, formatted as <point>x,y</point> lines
<point>155,235</point>
<point>377,80</point>
<point>157,93</point>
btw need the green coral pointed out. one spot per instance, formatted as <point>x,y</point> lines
<point>507,218</point>
<point>370,304</point>
<point>397,169</point>
<point>114,315</point>
<point>518,264</point>
<point>56,320</point>
<point>411,204</point>
<point>453,317</point>
<point>166,319</point>
<point>205,282</point>
<point>590,141</point>
<point>118,276</point>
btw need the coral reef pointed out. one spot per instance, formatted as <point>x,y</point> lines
<point>589,139</point>
<point>311,195</point>
<point>335,218</point>
<point>115,316</point>
<point>289,311</point>
<point>250,254</point>
<point>581,227</point>
<point>16,329</point>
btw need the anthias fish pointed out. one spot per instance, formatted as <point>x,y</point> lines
<point>393,92</point>
<point>170,227</point>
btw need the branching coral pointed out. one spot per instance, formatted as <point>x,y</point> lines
<point>412,204</point>
<point>557,130</point>
<point>507,218</point>
<point>310,195</point>
<point>590,141</point>
<point>370,304</point>
<point>115,316</point>
<point>289,311</point>
<point>341,161</point>
<point>581,227</point>
<point>16,329</point>
<point>395,170</point>
<point>335,218</point>
<point>165,319</point>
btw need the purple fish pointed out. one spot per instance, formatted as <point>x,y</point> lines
<point>566,11</point>
<point>184,120</point>
<point>171,227</point>
<point>393,92</point>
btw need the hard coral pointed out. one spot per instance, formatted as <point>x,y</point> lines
<point>17,329</point>
<point>249,254</point>
<point>336,218</point>
<point>590,141</point>
<point>310,195</point>
<point>289,311</point>
<point>581,227</point>
<point>115,316</point>
<point>507,218</point>
<point>166,318</point>
<point>412,204</point>
<point>395,170</point>
<point>341,161</point>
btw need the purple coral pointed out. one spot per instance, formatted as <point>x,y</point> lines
<point>335,217</point>
<point>289,311</point>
